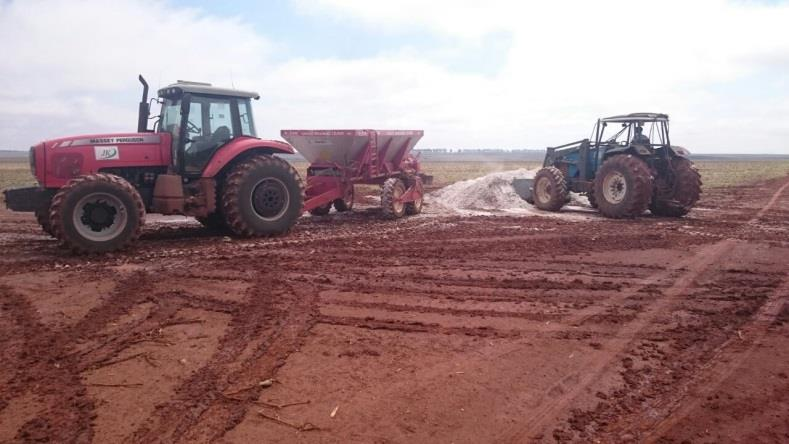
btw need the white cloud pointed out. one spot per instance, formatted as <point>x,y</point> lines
<point>70,67</point>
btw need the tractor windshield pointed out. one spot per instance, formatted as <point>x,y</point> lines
<point>648,133</point>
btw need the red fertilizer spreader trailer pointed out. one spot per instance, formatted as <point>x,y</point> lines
<point>340,159</point>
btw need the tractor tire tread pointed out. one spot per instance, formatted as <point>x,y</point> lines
<point>232,188</point>
<point>559,186</point>
<point>57,209</point>
<point>689,185</point>
<point>643,185</point>
<point>387,198</point>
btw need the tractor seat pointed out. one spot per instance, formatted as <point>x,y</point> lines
<point>220,136</point>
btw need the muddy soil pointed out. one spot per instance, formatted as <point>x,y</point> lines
<point>435,328</point>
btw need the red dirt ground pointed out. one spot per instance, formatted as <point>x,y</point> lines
<point>428,329</point>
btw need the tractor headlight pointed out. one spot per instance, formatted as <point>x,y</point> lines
<point>32,160</point>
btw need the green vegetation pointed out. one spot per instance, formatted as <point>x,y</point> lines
<point>727,173</point>
<point>15,174</point>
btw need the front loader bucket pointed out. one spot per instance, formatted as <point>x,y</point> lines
<point>524,188</point>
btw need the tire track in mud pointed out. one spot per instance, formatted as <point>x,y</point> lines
<point>536,427</point>
<point>279,311</point>
<point>709,378</point>
<point>40,354</point>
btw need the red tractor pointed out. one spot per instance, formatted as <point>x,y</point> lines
<point>202,158</point>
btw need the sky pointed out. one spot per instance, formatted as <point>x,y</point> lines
<point>471,74</point>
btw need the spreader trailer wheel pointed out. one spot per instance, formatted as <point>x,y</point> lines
<point>391,198</point>
<point>96,214</point>
<point>623,187</point>
<point>262,196</point>
<point>550,189</point>
<point>414,206</point>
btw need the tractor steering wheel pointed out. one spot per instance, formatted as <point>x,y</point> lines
<point>191,127</point>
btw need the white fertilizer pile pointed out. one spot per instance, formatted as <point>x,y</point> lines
<point>490,194</point>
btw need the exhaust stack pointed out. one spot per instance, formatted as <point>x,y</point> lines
<point>144,110</point>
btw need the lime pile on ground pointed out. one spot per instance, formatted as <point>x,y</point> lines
<point>490,194</point>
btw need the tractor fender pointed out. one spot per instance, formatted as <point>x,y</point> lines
<point>679,151</point>
<point>242,147</point>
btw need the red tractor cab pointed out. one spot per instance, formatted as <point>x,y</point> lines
<point>202,158</point>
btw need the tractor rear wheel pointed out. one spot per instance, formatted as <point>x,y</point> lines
<point>262,196</point>
<point>676,200</point>
<point>346,203</point>
<point>97,214</point>
<point>549,189</point>
<point>623,187</point>
<point>393,189</point>
<point>214,221</point>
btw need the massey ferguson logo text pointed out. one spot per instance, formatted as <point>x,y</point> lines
<point>118,140</point>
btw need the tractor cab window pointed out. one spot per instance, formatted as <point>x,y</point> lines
<point>245,115</point>
<point>210,125</point>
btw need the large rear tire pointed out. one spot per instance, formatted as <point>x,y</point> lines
<point>98,213</point>
<point>623,187</point>
<point>549,189</point>
<point>263,196</point>
<point>391,192</point>
<point>677,198</point>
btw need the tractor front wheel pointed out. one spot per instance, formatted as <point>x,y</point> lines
<point>549,189</point>
<point>677,198</point>
<point>262,196</point>
<point>391,193</point>
<point>623,187</point>
<point>97,214</point>
<point>42,217</point>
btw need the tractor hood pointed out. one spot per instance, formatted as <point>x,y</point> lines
<point>112,139</point>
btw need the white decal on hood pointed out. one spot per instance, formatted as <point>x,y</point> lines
<point>107,152</point>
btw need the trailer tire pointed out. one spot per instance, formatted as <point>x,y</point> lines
<point>391,191</point>
<point>97,213</point>
<point>550,189</point>
<point>346,203</point>
<point>623,187</point>
<point>262,196</point>
<point>415,207</point>
<point>676,200</point>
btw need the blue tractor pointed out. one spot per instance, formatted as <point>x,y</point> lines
<point>628,167</point>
